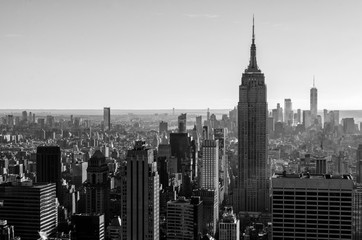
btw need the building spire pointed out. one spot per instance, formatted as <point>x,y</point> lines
<point>253,31</point>
<point>313,81</point>
<point>253,66</point>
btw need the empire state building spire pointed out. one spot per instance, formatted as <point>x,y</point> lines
<point>253,66</point>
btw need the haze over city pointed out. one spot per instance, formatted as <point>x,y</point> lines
<point>182,54</point>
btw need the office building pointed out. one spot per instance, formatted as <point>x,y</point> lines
<point>210,165</point>
<point>313,102</point>
<point>348,125</point>
<point>229,225</point>
<point>107,118</point>
<point>29,207</point>
<point>312,206</point>
<point>184,218</point>
<point>142,194</point>
<point>307,119</point>
<point>163,128</point>
<point>182,123</point>
<point>88,226</point>
<point>199,125</point>
<point>97,186</point>
<point>210,212</point>
<point>252,193</point>
<point>288,112</point>
<point>48,167</point>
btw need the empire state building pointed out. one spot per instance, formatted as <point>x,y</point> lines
<point>252,193</point>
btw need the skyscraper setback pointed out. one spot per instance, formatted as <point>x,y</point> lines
<point>251,193</point>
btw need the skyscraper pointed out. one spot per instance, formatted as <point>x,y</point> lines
<point>107,118</point>
<point>210,165</point>
<point>288,113</point>
<point>142,194</point>
<point>252,193</point>
<point>313,102</point>
<point>182,123</point>
<point>97,192</point>
<point>48,167</point>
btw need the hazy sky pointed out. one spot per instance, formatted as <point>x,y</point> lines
<point>177,53</point>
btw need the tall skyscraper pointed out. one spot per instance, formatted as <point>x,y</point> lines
<point>107,118</point>
<point>313,102</point>
<point>252,194</point>
<point>29,207</point>
<point>48,167</point>
<point>97,186</point>
<point>288,112</point>
<point>210,165</point>
<point>142,194</point>
<point>182,123</point>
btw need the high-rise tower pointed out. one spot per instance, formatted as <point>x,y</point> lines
<point>142,194</point>
<point>252,193</point>
<point>107,118</point>
<point>313,102</point>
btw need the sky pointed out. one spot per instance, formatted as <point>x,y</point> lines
<point>188,54</point>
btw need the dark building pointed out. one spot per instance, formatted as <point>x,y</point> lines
<point>252,193</point>
<point>29,207</point>
<point>181,148</point>
<point>97,186</point>
<point>48,167</point>
<point>210,212</point>
<point>88,226</point>
<point>142,194</point>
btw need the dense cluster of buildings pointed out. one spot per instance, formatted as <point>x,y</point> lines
<point>253,174</point>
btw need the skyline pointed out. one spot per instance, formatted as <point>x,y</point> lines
<point>86,50</point>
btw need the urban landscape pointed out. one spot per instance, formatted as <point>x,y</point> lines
<point>251,172</point>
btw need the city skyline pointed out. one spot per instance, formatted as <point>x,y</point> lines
<point>56,55</point>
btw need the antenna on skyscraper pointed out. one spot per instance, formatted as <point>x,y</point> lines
<point>313,81</point>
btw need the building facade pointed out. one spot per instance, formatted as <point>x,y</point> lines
<point>142,194</point>
<point>312,207</point>
<point>252,193</point>
<point>30,207</point>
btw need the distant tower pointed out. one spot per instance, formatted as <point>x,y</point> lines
<point>252,193</point>
<point>142,194</point>
<point>107,118</point>
<point>313,102</point>
<point>182,123</point>
<point>97,184</point>
<point>288,113</point>
<point>48,167</point>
